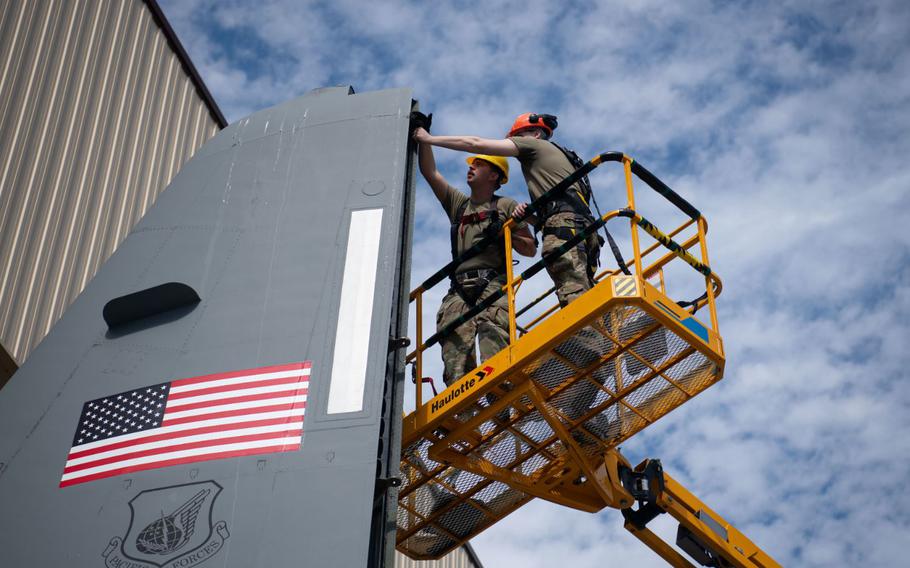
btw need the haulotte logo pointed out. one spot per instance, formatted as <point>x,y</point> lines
<point>465,386</point>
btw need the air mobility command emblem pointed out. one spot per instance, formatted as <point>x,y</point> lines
<point>170,527</point>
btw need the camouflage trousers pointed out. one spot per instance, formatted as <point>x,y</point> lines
<point>573,276</point>
<point>570,272</point>
<point>491,326</point>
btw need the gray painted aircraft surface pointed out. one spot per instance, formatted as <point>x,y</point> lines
<point>224,392</point>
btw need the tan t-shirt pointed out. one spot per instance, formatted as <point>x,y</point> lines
<point>470,233</point>
<point>543,164</point>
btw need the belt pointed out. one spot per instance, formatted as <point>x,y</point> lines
<point>565,204</point>
<point>485,273</point>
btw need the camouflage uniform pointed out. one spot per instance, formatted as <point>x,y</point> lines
<point>544,165</point>
<point>491,326</point>
<point>570,272</point>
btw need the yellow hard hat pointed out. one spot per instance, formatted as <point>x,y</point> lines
<point>501,162</point>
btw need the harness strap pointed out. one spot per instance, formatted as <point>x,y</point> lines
<point>457,229</point>
<point>453,237</point>
<point>617,255</point>
<point>691,303</point>
<point>564,233</point>
<point>477,218</point>
<point>574,200</point>
<point>585,184</point>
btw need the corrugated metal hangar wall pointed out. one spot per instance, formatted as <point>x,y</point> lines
<point>99,108</point>
<point>459,558</point>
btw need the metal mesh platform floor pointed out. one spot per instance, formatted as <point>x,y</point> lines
<point>536,419</point>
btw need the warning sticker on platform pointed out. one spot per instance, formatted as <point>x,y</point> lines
<point>625,286</point>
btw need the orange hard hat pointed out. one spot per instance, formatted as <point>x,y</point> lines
<point>533,120</point>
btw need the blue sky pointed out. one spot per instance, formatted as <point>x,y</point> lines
<point>785,123</point>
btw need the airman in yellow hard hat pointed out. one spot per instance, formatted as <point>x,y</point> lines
<point>501,163</point>
<point>472,217</point>
<point>544,164</point>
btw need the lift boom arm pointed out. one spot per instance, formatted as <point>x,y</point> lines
<point>702,534</point>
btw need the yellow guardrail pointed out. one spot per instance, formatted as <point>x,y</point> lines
<point>637,223</point>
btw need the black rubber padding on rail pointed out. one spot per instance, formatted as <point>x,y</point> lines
<point>660,187</point>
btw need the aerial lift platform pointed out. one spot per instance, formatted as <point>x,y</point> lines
<point>545,416</point>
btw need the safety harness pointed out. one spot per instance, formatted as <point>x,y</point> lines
<point>460,221</point>
<point>576,201</point>
<point>576,198</point>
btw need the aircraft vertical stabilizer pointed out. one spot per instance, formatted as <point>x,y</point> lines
<point>223,392</point>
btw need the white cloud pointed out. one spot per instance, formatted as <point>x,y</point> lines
<point>785,124</point>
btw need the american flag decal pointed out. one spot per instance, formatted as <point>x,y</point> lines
<point>240,413</point>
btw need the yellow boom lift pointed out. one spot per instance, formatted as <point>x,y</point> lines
<point>566,393</point>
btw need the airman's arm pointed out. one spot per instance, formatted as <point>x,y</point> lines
<point>473,144</point>
<point>523,242</point>
<point>427,164</point>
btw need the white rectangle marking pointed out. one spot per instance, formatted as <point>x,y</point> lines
<point>355,315</point>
